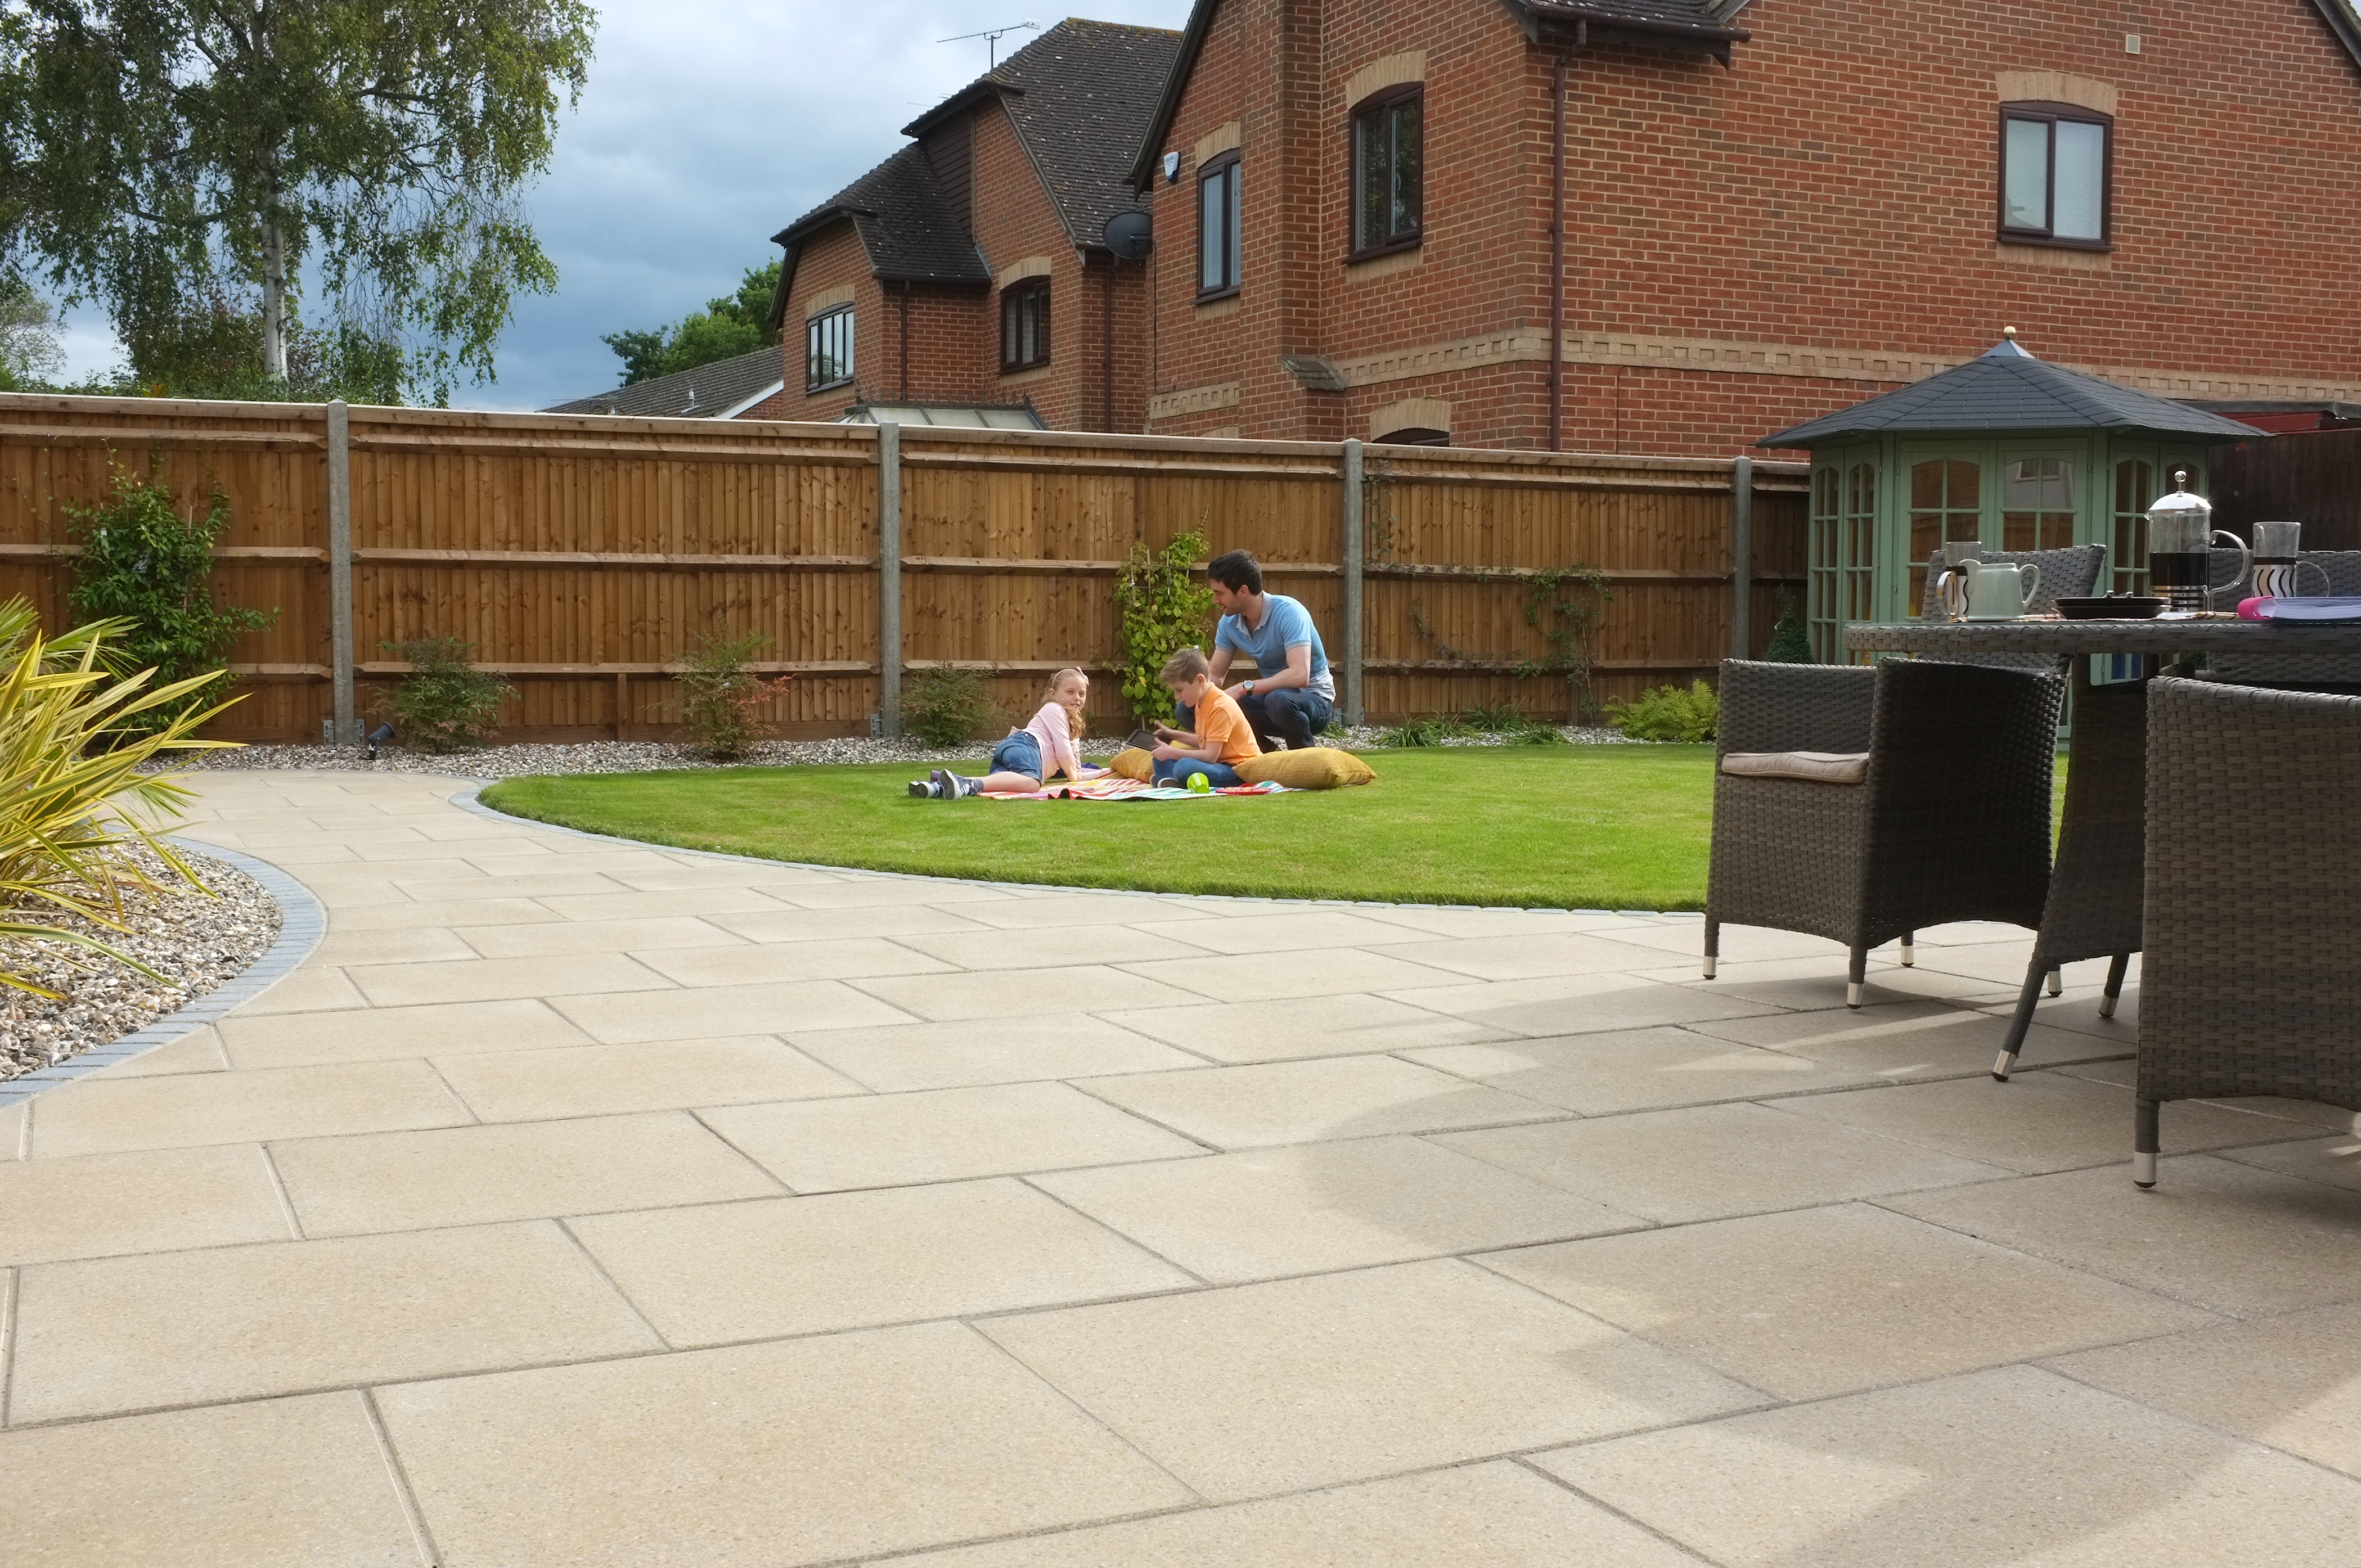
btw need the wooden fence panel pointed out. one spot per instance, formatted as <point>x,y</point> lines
<point>584,555</point>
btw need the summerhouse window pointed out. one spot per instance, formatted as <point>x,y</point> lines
<point>1220,215</point>
<point>827,349</point>
<point>1025,325</point>
<point>1388,161</point>
<point>2056,175</point>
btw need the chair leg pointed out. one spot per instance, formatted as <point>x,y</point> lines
<point>2056,982</point>
<point>1712,945</point>
<point>1856,972</point>
<point>2145,1142</point>
<point>2116,967</point>
<point>2020,1022</point>
<point>1909,949</point>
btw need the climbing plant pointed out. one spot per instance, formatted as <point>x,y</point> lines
<point>1564,604</point>
<point>1163,611</point>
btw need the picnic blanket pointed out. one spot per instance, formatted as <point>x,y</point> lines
<point>1112,788</point>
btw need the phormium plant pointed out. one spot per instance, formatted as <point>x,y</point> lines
<point>718,695</point>
<point>445,704</point>
<point>1163,611</point>
<point>145,564</point>
<point>945,704</point>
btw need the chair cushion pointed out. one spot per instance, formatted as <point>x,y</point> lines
<point>1812,767</point>
<point>1314,767</point>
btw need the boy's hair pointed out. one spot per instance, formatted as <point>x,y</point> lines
<point>1074,720</point>
<point>1236,569</point>
<point>1185,666</point>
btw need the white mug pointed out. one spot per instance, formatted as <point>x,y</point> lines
<point>1999,590</point>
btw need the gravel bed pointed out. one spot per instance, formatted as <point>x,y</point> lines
<point>197,942</point>
<point>649,756</point>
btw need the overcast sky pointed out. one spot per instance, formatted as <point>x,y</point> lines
<point>707,128</point>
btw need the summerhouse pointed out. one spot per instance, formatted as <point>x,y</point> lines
<point>2006,449</point>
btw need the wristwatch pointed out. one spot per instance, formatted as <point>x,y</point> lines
<point>1249,689</point>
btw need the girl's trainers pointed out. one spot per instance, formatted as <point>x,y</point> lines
<point>923,789</point>
<point>949,785</point>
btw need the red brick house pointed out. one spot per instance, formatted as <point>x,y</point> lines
<point>1770,210</point>
<point>969,271</point>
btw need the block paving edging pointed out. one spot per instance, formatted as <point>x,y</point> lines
<point>302,923</point>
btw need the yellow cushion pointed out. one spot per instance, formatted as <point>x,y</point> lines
<point>1314,767</point>
<point>1133,763</point>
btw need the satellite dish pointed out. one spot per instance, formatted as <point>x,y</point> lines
<point>1131,236</point>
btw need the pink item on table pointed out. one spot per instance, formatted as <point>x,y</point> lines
<point>2251,610</point>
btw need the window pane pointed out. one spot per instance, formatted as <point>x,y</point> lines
<point>2036,498</point>
<point>2024,180</point>
<point>2081,182</point>
<point>1233,228</point>
<point>1372,158</point>
<point>1404,215</point>
<point>1211,247</point>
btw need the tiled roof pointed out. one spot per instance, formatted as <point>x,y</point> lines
<point>2007,389</point>
<point>906,225</point>
<point>709,392</point>
<point>1084,92</point>
<point>2343,20</point>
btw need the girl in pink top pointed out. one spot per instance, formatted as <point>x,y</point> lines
<point>1029,757</point>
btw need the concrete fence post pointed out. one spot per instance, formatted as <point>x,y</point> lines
<point>340,572</point>
<point>889,578</point>
<point>1742,558</point>
<point>1350,688</point>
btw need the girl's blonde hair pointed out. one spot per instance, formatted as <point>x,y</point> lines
<point>1073,715</point>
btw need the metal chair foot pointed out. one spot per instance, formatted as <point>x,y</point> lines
<point>1709,966</point>
<point>2142,1170</point>
<point>2145,1142</point>
<point>2005,1064</point>
<point>2106,1005</point>
<point>1910,949</point>
<point>2056,982</point>
<point>2114,988</point>
<point>1852,993</point>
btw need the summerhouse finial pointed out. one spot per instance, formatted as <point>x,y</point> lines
<point>2009,333</point>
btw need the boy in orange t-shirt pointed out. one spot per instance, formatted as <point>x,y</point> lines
<point>1223,737</point>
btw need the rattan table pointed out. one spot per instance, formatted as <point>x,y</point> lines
<point>2097,882</point>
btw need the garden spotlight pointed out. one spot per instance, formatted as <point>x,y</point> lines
<point>379,737</point>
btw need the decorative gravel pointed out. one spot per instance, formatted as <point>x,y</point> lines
<point>650,756</point>
<point>195,941</point>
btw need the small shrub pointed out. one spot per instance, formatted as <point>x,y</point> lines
<point>1790,644</point>
<point>144,567</point>
<point>1431,730</point>
<point>945,706</point>
<point>445,704</point>
<point>718,695</point>
<point>1542,735</point>
<point>1669,713</point>
<point>1505,719</point>
<point>1162,611</point>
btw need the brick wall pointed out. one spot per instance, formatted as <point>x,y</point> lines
<point>1833,197</point>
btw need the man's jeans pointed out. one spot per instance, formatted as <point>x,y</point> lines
<point>1179,770</point>
<point>1292,714</point>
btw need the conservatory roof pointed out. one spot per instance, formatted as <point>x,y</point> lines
<point>2005,388</point>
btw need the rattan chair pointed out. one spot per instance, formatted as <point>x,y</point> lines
<point>1949,819</point>
<point>2340,573</point>
<point>2253,901</point>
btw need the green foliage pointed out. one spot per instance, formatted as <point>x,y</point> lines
<point>946,705</point>
<point>30,349</point>
<point>445,704</point>
<point>718,695</point>
<point>145,567</point>
<point>1431,730</point>
<point>1789,643</point>
<point>1506,720</point>
<point>1163,609</point>
<point>1668,713</point>
<point>161,149</point>
<point>1564,604</point>
<point>77,745</point>
<point>733,325</point>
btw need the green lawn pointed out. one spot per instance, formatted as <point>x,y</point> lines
<point>1559,826</point>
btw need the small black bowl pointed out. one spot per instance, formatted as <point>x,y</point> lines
<point>2127,608</point>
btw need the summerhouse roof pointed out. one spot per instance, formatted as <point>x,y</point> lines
<point>2006,387</point>
<point>715,390</point>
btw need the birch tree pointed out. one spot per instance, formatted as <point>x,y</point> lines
<point>154,151</point>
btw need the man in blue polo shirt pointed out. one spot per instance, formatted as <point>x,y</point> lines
<point>1291,695</point>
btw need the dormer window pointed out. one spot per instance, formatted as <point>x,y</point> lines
<point>1024,325</point>
<point>2056,173</point>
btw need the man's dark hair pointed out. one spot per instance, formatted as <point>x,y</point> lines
<point>1236,569</point>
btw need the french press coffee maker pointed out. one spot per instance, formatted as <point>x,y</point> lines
<point>2181,535</point>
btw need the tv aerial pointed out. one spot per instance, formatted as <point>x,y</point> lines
<point>991,37</point>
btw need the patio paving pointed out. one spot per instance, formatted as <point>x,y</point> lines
<point>581,1204</point>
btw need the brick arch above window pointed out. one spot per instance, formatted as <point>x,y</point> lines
<point>2055,87</point>
<point>1018,271</point>
<point>1391,70</point>
<point>1421,414</point>
<point>827,299</point>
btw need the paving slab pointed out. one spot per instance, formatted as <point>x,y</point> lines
<point>597,937</point>
<point>1255,1390</point>
<point>1020,994</point>
<point>1635,1070</point>
<point>896,1056</point>
<point>501,980</point>
<point>186,1328</point>
<point>2013,1465</point>
<point>602,1081</point>
<point>782,925</point>
<point>1317,1207</point>
<point>1054,948</point>
<point>390,1033</point>
<point>152,1201</point>
<point>1296,1027</point>
<point>894,1438</point>
<point>1299,1101</point>
<point>1288,931</point>
<point>715,1011</point>
<point>273,1483</point>
<point>1314,972</point>
<point>199,1050</point>
<point>799,1266</point>
<point>1578,1004</point>
<point>749,963</point>
<point>1911,1038</point>
<point>1477,1516</point>
<point>104,1115</point>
